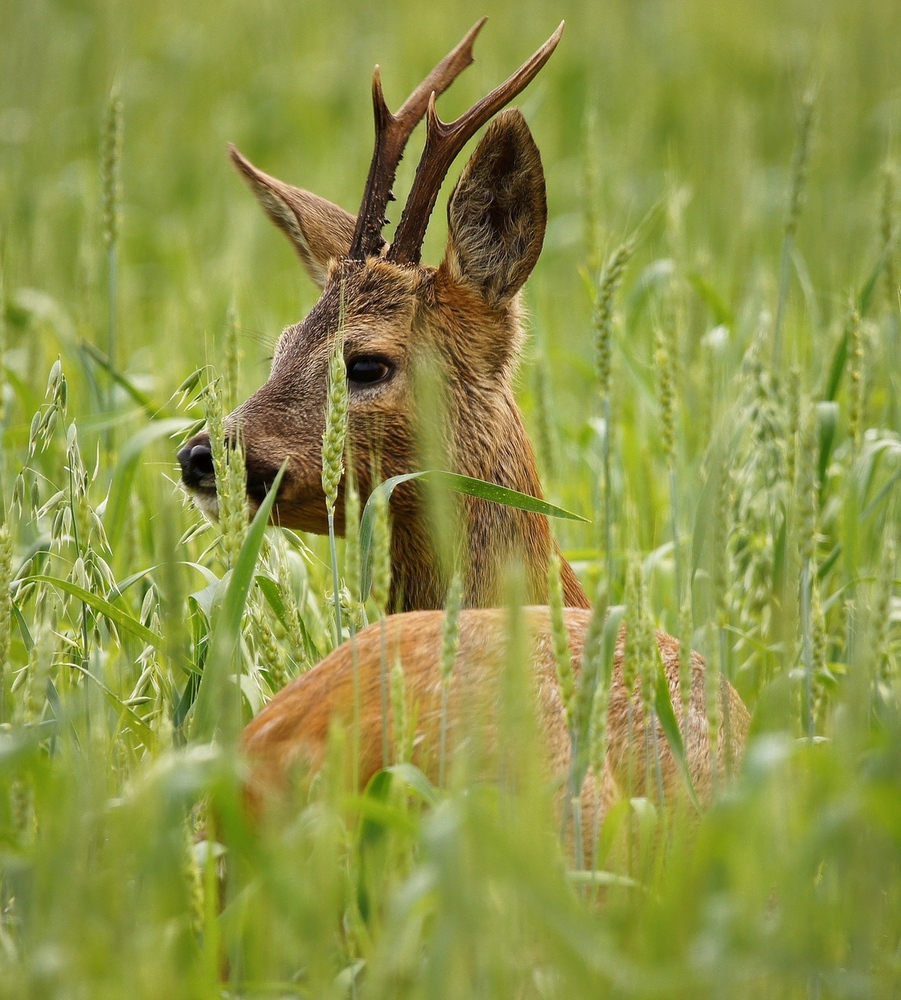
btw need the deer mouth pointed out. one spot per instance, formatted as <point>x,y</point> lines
<point>258,487</point>
<point>198,478</point>
<point>260,477</point>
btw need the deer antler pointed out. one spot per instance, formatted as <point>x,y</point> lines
<point>391,134</point>
<point>444,142</point>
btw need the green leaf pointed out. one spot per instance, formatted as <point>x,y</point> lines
<point>780,553</point>
<point>829,561</point>
<point>865,296</point>
<point>837,368</point>
<point>582,877</point>
<point>663,706</point>
<point>114,516</point>
<point>274,599</point>
<point>415,781</point>
<point>827,421</point>
<point>122,619</point>
<point>184,703</point>
<point>150,407</point>
<point>376,812</point>
<point>24,631</point>
<point>129,581</point>
<point>458,484</point>
<point>378,815</point>
<point>722,314</point>
<point>883,494</point>
<point>609,638</point>
<point>212,707</point>
<point>147,736</point>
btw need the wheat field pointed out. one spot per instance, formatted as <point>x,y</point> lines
<point>711,380</point>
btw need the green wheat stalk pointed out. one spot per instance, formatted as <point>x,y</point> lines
<point>608,283</point>
<point>450,643</point>
<point>352,563</point>
<point>806,507</point>
<point>856,399</point>
<point>231,477</point>
<point>399,711</point>
<point>566,680</point>
<point>381,591</point>
<point>797,190</point>
<point>111,195</point>
<point>664,366</point>
<point>888,225</point>
<point>333,439</point>
<point>6,613</point>
<point>232,358</point>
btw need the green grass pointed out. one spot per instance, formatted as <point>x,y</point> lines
<point>673,121</point>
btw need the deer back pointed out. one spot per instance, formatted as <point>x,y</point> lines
<point>290,736</point>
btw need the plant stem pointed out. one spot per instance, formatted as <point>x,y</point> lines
<point>336,580</point>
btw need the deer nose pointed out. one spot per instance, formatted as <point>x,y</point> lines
<point>196,460</point>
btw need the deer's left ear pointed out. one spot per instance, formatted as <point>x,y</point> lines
<point>498,212</point>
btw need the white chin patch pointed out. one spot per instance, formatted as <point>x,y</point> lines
<point>207,504</point>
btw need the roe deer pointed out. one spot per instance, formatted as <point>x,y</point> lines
<point>464,317</point>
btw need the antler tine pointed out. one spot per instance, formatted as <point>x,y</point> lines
<point>391,134</point>
<point>444,142</point>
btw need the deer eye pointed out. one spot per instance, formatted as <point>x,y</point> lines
<point>366,370</point>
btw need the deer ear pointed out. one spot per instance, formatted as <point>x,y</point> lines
<point>319,230</point>
<point>498,212</point>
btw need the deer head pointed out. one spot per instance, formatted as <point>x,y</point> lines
<point>398,317</point>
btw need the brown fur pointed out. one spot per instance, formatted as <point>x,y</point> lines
<point>291,733</point>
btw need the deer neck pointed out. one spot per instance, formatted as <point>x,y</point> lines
<point>490,444</point>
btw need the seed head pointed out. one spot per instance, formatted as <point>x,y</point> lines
<point>335,424</point>
<point>609,282</point>
<point>110,157</point>
<point>800,163</point>
<point>450,636</point>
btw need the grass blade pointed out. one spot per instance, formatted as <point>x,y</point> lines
<point>458,484</point>
<point>213,710</point>
<point>122,619</point>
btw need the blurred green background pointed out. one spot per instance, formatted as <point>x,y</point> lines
<point>693,94</point>
<point>687,110</point>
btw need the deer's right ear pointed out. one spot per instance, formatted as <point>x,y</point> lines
<point>319,230</point>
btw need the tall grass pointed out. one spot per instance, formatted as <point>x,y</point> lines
<point>764,533</point>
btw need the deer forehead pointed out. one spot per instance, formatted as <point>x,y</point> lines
<point>373,304</point>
